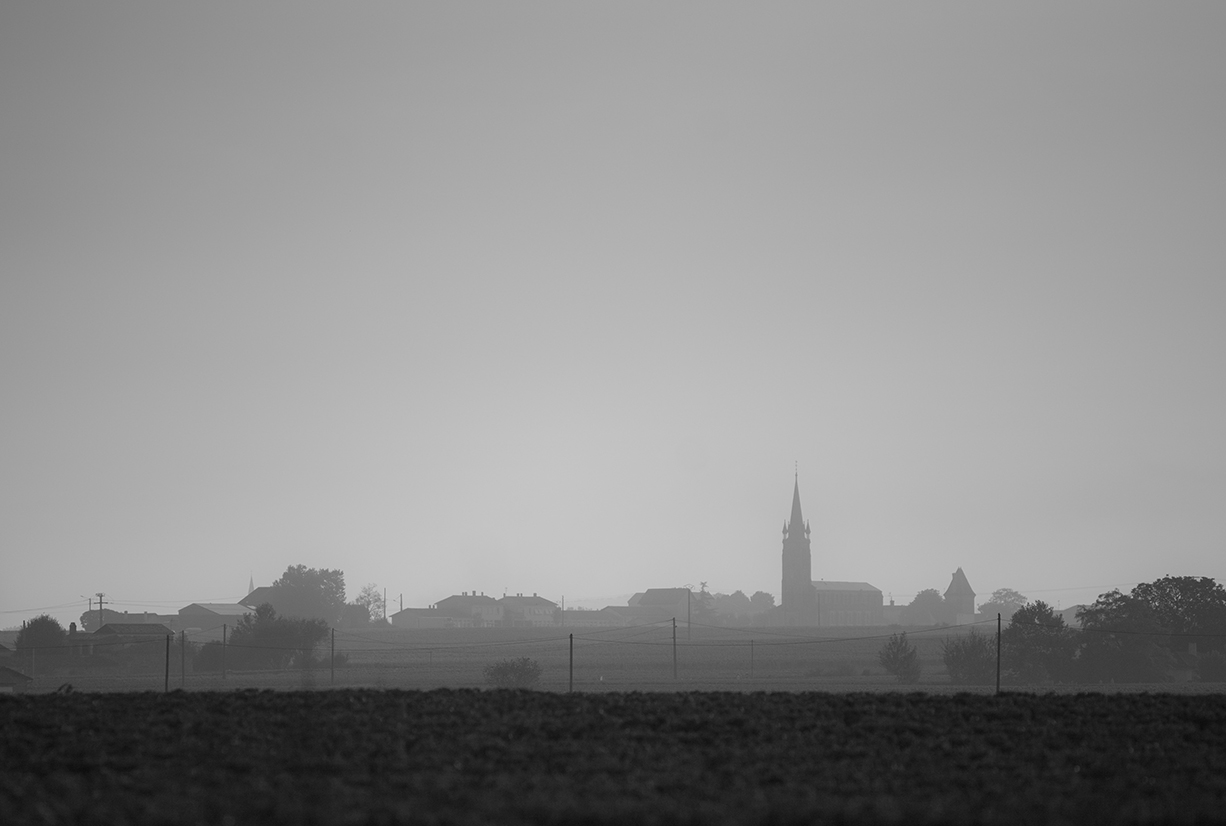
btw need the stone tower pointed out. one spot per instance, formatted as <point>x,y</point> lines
<point>799,599</point>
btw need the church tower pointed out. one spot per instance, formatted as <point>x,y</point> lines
<point>799,598</point>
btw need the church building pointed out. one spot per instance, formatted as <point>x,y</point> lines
<point>821,603</point>
<point>798,597</point>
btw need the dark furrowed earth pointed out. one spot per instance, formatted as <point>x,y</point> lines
<point>468,756</point>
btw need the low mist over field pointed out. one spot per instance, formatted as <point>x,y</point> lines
<point>556,299</point>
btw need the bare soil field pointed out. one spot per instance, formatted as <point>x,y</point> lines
<point>467,756</point>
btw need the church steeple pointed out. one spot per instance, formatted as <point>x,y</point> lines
<point>796,525</point>
<point>799,598</point>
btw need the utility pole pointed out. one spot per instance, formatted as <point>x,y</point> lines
<point>100,595</point>
<point>998,653</point>
<point>674,648</point>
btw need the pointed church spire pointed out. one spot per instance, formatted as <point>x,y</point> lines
<point>250,584</point>
<point>796,525</point>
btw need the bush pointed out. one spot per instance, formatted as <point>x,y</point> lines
<point>517,673</point>
<point>971,660</point>
<point>899,657</point>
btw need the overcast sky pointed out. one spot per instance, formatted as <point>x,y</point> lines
<point>553,298</point>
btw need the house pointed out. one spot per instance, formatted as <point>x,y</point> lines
<point>604,618</point>
<point>119,635</point>
<point>211,616</point>
<point>960,597</point>
<point>535,611</point>
<point>427,618</point>
<point>666,603</point>
<point>478,609</point>
<point>139,630</point>
<point>258,596</point>
<point>11,679</point>
<point>848,603</point>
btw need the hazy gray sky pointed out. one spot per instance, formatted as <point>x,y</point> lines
<point>551,297</point>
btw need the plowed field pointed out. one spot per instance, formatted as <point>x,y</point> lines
<point>358,756</point>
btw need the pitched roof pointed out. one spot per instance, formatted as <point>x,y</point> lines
<point>959,586</point>
<point>832,585</point>
<point>257,596</point>
<point>663,596</point>
<point>528,602</point>
<point>228,609</point>
<point>134,629</point>
<point>11,676</point>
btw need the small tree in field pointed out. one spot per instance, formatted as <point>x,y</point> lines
<point>899,657</point>
<point>971,659</point>
<point>521,672</point>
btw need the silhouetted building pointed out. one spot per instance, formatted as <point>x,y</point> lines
<point>960,599</point>
<point>258,596</point>
<point>848,603</point>
<point>535,611</point>
<point>425,618</point>
<point>210,617</point>
<point>11,679</point>
<point>478,609</point>
<point>798,598</point>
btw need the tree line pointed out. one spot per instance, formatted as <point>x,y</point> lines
<point>1161,629</point>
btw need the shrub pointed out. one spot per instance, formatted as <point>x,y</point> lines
<point>521,672</point>
<point>899,657</point>
<point>971,659</point>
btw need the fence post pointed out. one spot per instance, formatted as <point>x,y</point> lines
<point>998,653</point>
<point>674,648</point>
<point>167,686</point>
<point>572,663</point>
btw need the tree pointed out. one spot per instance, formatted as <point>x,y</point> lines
<point>264,639</point>
<point>1194,608</point>
<point>1119,641</point>
<point>899,657</point>
<point>735,604</point>
<point>928,608</point>
<point>1004,601</point>
<point>1037,647</point>
<point>372,597</point>
<point>89,620</point>
<point>41,636</point>
<point>309,593</point>
<point>702,606</point>
<point>762,601</point>
<point>970,659</point>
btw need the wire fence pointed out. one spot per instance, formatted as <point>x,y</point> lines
<point>669,655</point>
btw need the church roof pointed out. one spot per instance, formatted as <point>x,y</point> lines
<point>959,586</point>
<point>831,585</point>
